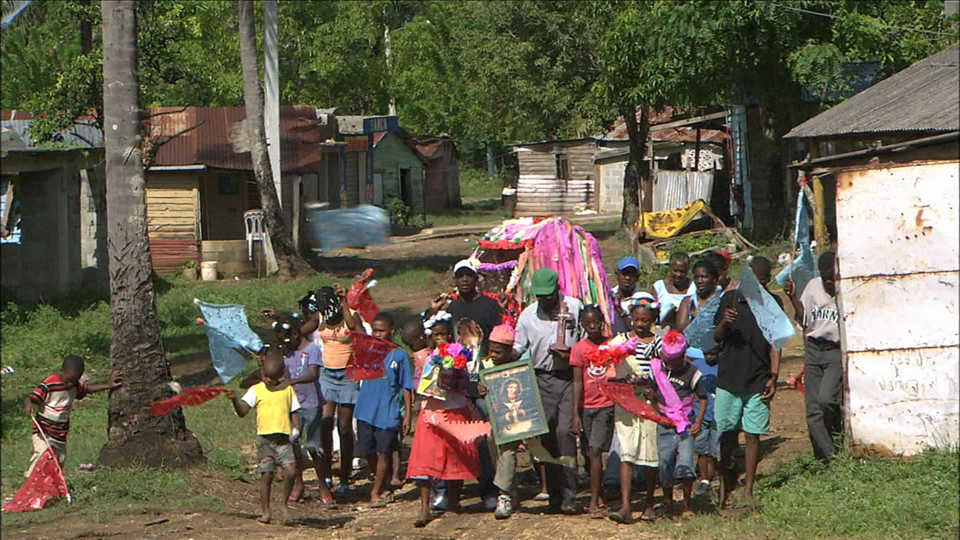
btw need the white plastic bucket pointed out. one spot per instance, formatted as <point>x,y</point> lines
<point>208,271</point>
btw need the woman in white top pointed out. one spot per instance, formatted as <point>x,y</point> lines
<point>670,293</point>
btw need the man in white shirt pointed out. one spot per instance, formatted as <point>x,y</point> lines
<point>816,310</point>
<point>537,332</point>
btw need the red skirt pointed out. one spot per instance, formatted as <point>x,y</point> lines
<point>437,455</point>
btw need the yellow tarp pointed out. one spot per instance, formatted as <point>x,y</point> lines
<point>669,222</point>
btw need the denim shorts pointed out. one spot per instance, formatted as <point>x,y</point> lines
<point>309,427</point>
<point>338,388</point>
<point>675,452</point>
<point>707,443</point>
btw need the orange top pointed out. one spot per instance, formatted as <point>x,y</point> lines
<point>336,354</point>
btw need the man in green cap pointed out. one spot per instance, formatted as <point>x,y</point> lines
<point>539,333</point>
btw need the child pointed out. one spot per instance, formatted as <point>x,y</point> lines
<point>303,362</point>
<point>276,428</point>
<point>336,322</point>
<point>676,382</point>
<point>415,339</point>
<point>378,412</point>
<point>593,413</point>
<point>637,436</point>
<point>435,455</point>
<point>707,444</point>
<point>500,351</point>
<point>55,397</point>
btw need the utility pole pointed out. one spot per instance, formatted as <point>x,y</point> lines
<point>392,106</point>
<point>271,86</point>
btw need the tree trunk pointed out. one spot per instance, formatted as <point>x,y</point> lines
<point>86,34</point>
<point>288,258</point>
<point>636,177</point>
<point>136,352</point>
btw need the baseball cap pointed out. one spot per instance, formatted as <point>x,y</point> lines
<point>628,262</point>
<point>544,282</point>
<point>694,354</point>
<point>467,264</point>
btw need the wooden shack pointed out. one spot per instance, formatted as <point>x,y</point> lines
<point>442,174</point>
<point>556,177</point>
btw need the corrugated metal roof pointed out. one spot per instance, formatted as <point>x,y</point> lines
<point>210,142</point>
<point>84,133</point>
<point>924,98</point>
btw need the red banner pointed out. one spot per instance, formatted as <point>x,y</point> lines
<point>360,300</point>
<point>190,396</point>
<point>44,483</point>
<point>368,356</point>
<point>623,395</point>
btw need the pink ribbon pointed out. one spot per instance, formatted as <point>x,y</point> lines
<point>675,409</point>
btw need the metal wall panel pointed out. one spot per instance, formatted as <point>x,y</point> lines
<point>898,261</point>
<point>676,189</point>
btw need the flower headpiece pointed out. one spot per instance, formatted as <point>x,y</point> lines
<point>642,299</point>
<point>441,316</point>
<point>674,345</point>
<point>612,352</point>
<point>451,356</point>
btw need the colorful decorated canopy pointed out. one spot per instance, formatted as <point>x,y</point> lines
<point>511,253</point>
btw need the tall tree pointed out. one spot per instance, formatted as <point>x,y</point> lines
<point>288,258</point>
<point>136,352</point>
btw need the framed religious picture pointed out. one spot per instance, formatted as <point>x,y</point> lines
<point>513,401</point>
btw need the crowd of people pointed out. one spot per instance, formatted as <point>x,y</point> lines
<point>303,396</point>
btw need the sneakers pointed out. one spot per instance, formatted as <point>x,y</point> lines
<point>703,488</point>
<point>504,507</point>
<point>491,502</point>
<point>439,502</point>
<point>343,491</point>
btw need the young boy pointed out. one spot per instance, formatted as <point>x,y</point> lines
<point>707,444</point>
<point>378,412</point>
<point>414,338</point>
<point>677,382</point>
<point>746,383</point>
<point>277,427</point>
<point>500,352</point>
<point>593,413</point>
<point>55,397</point>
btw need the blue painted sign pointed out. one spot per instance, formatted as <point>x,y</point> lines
<point>377,124</point>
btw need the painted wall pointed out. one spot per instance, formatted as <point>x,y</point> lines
<point>899,264</point>
<point>389,157</point>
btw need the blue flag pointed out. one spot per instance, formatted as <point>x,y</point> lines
<point>804,268</point>
<point>227,330</point>
<point>771,319</point>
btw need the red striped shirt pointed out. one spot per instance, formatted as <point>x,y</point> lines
<point>57,399</point>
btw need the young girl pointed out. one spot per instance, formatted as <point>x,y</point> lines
<point>638,437</point>
<point>302,363</point>
<point>705,277</point>
<point>436,455</point>
<point>593,412</point>
<point>336,322</point>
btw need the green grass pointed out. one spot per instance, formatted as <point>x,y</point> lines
<point>478,211</point>
<point>855,498</point>
<point>474,184</point>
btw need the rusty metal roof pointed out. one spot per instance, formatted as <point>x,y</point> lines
<point>679,134</point>
<point>210,143</point>
<point>924,98</point>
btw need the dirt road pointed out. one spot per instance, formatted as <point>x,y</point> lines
<point>353,520</point>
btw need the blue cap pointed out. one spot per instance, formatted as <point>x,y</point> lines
<point>628,262</point>
<point>694,353</point>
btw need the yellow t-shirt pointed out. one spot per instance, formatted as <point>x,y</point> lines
<point>273,408</point>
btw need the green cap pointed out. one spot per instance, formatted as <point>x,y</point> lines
<point>544,282</point>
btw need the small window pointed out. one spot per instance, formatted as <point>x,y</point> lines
<point>563,167</point>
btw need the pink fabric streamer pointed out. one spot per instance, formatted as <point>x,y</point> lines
<point>465,432</point>
<point>676,410</point>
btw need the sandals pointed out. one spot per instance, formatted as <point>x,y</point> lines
<point>328,504</point>
<point>598,513</point>
<point>617,518</point>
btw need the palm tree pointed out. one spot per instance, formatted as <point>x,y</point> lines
<point>136,352</point>
<point>288,258</point>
